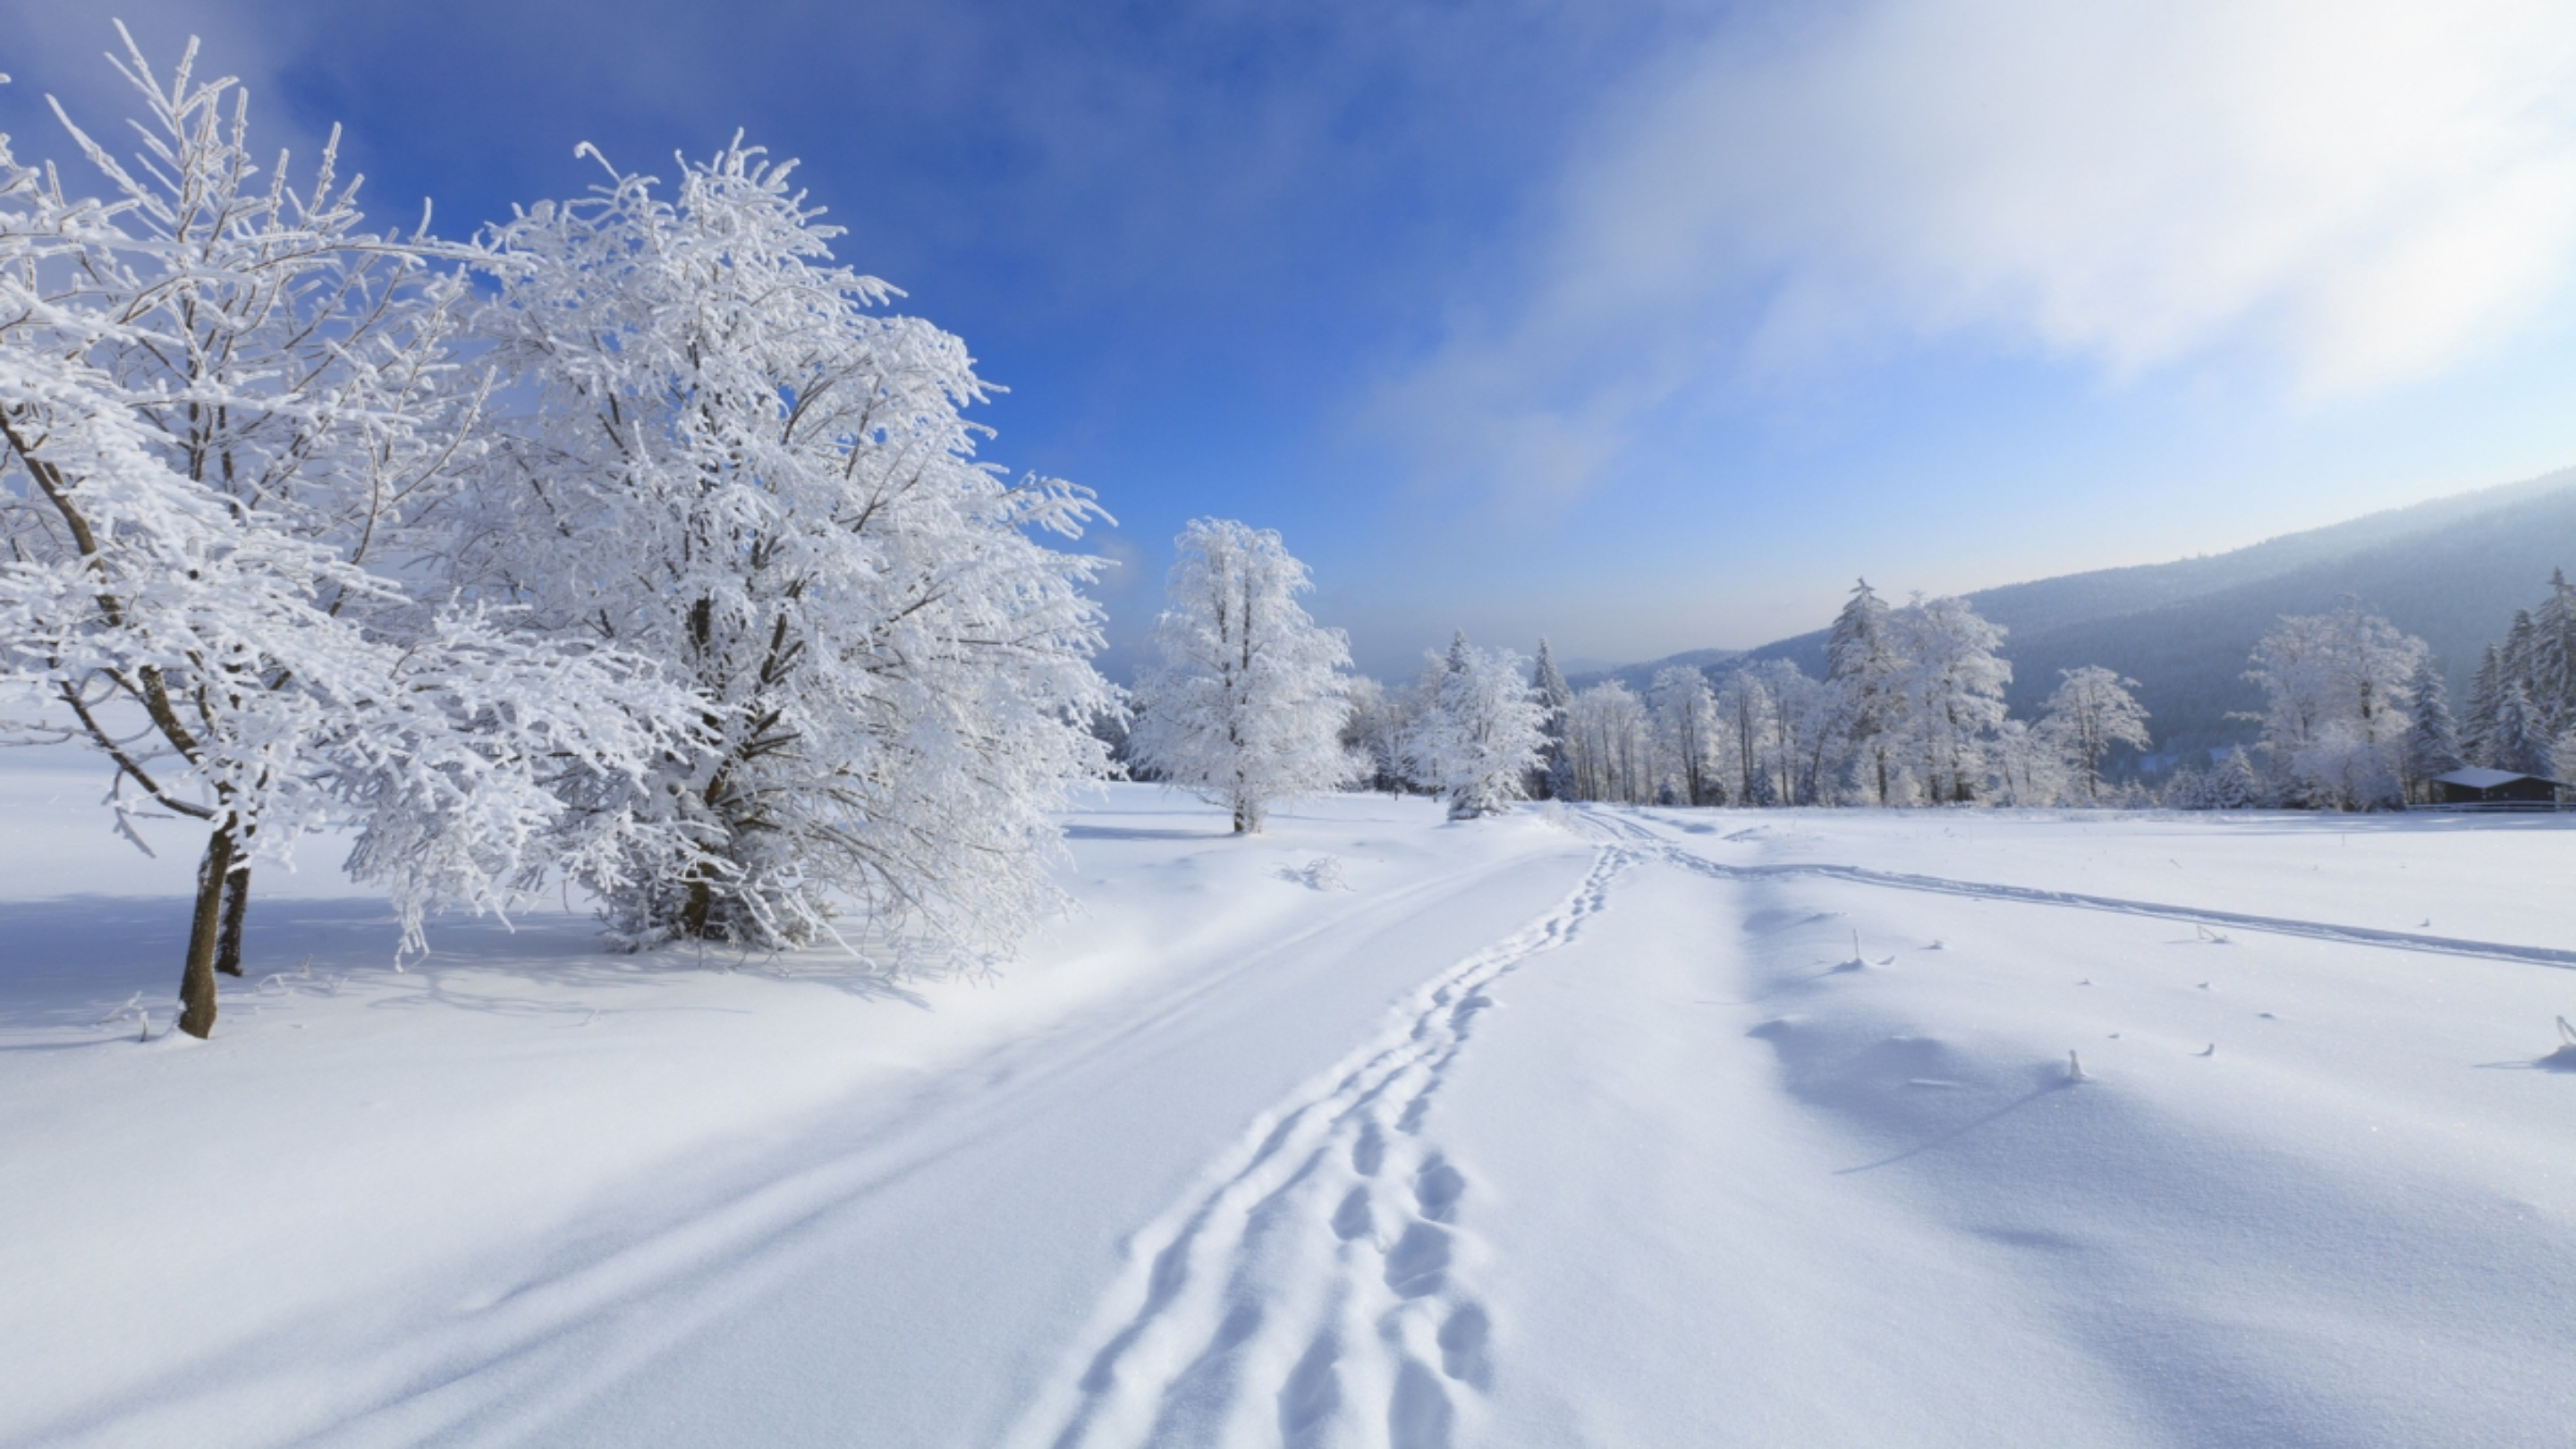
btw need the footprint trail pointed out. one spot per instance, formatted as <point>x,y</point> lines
<point>1316,1287</point>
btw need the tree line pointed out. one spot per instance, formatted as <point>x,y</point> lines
<point>1910,712</point>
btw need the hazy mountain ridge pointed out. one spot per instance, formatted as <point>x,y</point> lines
<point>2451,571</point>
<point>1640,677</point>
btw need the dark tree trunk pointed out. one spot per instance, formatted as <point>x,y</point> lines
<point>700,908</point>
<point>236,905</point>
<point>197,977</point>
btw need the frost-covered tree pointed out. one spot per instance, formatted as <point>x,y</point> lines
<point>1803,721</point>
<point>1481,731</point>
<point>1744,711</point>
<point>2432,738</point>
<point>1860,670</point>
<point>1555,778</point>
<point>1374,731</point>
<point>2486,697</point>
<point>1612,747</point>
<point>2235,784</point>
<point>2537,658</point>
<point>1247,706</point>
<point>2519,738</point>
<point>727,458</point>
<point>2031,766</point>
<point>230,425</point>
<point>2551,670</point>
<point>1949,687</point>
<point>1684,713</point>
<point>2335,721</point>
<point>2090,711</point>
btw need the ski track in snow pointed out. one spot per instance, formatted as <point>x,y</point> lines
<point>1315,1288</point>
<point>1638,832</point>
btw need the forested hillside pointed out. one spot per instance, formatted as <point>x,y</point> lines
<point>2451,572</point>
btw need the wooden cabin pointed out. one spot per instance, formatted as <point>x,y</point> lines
<point>2502,788</point>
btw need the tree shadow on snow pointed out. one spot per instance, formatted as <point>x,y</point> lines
<point>71,961</point>
<point>2046,1089</point>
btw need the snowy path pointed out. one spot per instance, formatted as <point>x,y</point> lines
<point>1667,1127</point>
<point>1315,1271</point>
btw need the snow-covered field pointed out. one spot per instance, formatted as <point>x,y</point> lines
<point>1575,1127</point>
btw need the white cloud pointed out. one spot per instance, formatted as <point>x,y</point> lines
<point>2364,192</point>
<point>61,48</point>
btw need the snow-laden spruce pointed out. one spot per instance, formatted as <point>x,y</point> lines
<point>2432,736</point>
<point>1860,667</point>
<point>1556,777</point>
<point>1248,704</point>
<point>727,460</point>
<point>1482,731</point>
<point>230,426</point>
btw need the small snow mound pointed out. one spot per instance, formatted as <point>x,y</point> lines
<point>2563,1059</point>
<point>1323,873</point>
<point>2075,1070</point>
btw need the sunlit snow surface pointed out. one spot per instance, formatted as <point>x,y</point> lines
<point>1576,1127</point>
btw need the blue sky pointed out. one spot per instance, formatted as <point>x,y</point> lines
<point>1645,327</point>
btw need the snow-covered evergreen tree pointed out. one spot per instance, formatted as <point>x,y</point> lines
<point>2519,739</point>
<point>1555,778</point>
<point>2336,693</point>
<point>230,423</point>
<point>2235,784</point>
<point>2486,697</point>
<point>1860,670</point>
<point>2091,711</point>
<point>1481,732</point>
<point>2552,677</point>
<point>1247,706</point>
<point>2432,737</point>
<point>728,459</point>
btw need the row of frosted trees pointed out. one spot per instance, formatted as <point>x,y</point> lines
<point>629,542</point>
<point>1252,703</point>
<point>1911,710</point>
